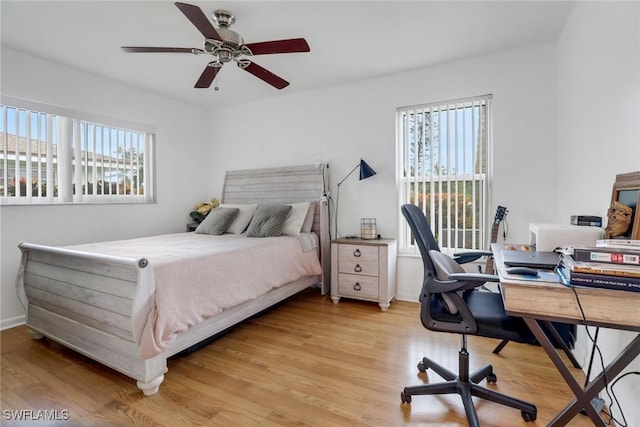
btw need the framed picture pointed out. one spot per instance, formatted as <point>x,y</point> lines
<point>626,190</point>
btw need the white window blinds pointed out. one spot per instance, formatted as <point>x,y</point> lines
<point>444,159</point>
<point>49,158</point>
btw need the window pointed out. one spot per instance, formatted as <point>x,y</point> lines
<point>443,167</point>
<point>64,158</point>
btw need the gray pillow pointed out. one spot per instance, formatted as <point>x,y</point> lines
<point>268,220</point>
<point>217,221</point>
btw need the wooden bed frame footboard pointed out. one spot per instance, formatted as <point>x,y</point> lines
<point>98,307</point>
<point>97,304</point>
<point>94,304</point>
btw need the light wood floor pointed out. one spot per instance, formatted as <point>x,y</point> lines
<point>308,362</point>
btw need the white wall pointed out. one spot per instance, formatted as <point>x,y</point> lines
<point>341,124</point>
<point>182,148</point>
<point>599,134</point>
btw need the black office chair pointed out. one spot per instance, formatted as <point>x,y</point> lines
<point>450,303</point>
<point>463,258</point>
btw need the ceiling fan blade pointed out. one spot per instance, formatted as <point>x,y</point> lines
<point>263,73</point>
<point>142,49</point>
<point>199,19</point>
<point>279,46</point>
<point>207,76</point>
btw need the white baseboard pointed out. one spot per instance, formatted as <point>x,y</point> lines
<point>407,298</point>
<point>12,323</point>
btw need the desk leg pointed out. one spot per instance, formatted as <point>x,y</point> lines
<point>583,397</point>
<point>567,351</point>
<point>582,400</point>
<point>624,358</point>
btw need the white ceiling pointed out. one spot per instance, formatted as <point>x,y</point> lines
<point>349,41</point>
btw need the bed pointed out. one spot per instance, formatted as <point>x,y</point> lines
<point>110,302</point>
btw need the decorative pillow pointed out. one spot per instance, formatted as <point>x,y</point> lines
<point>217,221</point>
<point>245,212</point>
<point>293,224</point>
<point>308,221</point>
<point>268,220</point>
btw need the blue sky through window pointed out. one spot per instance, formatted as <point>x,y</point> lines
<point>38,123</point>
<point>453,135</point>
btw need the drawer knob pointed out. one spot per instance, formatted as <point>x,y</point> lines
<point>357,287</point>
<point>357,268</point>
<point>357,253</point>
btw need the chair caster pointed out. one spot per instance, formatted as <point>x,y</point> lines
<point>492,378</point>
<point>406,398</point>
<point>529,416</point>
<point>422,367</point>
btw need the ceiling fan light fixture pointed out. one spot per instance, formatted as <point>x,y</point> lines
<point>224,55</point>
<point>226,45</point>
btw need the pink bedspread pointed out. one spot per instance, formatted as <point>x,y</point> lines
<point>197,276</point>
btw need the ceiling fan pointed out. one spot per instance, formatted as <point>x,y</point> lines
<point>226,45</point>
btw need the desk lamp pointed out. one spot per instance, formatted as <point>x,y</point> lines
<point>366,171</point>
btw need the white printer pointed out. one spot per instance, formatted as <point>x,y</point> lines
<point>547,237</point>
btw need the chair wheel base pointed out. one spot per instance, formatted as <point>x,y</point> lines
<point>406,398</point>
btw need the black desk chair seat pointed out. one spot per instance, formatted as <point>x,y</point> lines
<point>451,303</point>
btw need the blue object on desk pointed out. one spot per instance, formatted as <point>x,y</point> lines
<point>562,276</point>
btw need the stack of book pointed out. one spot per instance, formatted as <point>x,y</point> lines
<point>611,264</point>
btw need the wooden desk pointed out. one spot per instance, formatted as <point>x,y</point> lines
<point>536,300</point>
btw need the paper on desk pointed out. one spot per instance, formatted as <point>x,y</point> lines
<point>543,276</point>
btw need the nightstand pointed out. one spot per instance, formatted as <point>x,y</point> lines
<point>364,270</point>
<point>192,226</point>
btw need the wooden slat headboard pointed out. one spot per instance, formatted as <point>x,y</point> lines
<point>290,184</point>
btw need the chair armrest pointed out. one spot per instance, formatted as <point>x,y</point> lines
<point>474,277</point>
<point>436,286</point>
<point>468,256</point>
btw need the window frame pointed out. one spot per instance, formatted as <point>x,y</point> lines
<point>70,126</point>
<point>481,221</point>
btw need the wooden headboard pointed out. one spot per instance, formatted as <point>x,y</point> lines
<point>290,184</point>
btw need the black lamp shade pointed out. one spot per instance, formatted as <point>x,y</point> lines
<point>366,171</point>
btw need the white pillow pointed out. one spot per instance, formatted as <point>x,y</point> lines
<point>293,224</point>
<point>245,212</point>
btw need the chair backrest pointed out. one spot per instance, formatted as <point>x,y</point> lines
<point>423,236</point>
<point>451,302</point>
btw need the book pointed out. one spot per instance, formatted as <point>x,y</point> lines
<point>604,281</point>
<point>607,255</point>
<point>618,243</point>
<point>574,278</point>
<point>587,267</point>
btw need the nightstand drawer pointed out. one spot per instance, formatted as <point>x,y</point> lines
<point>358,259</point>
<point>358,286</point>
